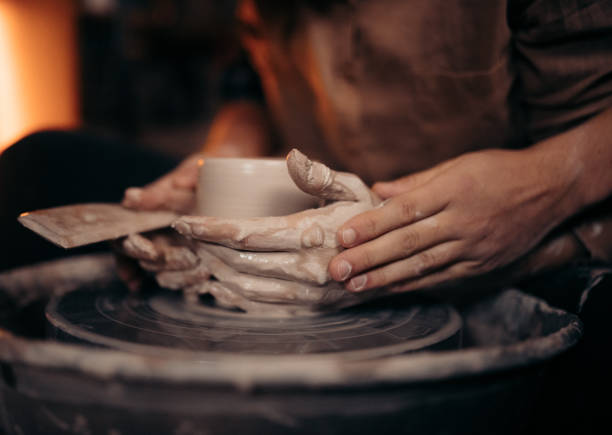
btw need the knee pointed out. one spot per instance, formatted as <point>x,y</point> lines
<point>37,146</point>
<point>29,143</point>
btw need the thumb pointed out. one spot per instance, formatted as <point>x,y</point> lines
<point>317,179</point>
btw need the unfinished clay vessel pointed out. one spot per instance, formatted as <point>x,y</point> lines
<point>256,187</point>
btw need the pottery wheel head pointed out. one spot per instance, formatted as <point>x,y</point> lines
<point>162,321</point>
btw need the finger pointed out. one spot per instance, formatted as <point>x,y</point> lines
<point>172,258</point>
<point>225,297</point>
<point>314,228</point>
<point>417,266</point>
<point>317,179</point>
<point>307,265</point>
<point>394,245</point>
<point>272,290</point>
<point>159,197</point>
<point>396,212</point>
<point>179,200</point>
<point>443,278</point>
<point>140,248</point>
<point>174,191</point>
<point>392,188</point>
<point>409,182</point>
<point>173,254</point>
<point>157,253</point>
<point>179,258</point>
<point>176,280</point>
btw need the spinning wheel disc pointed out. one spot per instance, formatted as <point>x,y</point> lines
<point>162,321</point>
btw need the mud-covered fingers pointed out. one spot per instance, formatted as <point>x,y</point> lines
<point>175,253</point>
<point>180,257</point>
<point>414,268</point>
<point>271,290</point>
<point>180,279</point>
<point>236,233</point>
<point>158,252</point>
<point>309,265</point>
<point>319,180</point>
<point>140,248</point>
<point>394,245</point>
<point>314,228</point>
<point>229,298</point>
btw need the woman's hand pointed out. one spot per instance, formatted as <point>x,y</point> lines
<point>255,262</point>
<point>240,129</point>
<point>174,191</point>
<point>282,259</point>
<point>469,216</point>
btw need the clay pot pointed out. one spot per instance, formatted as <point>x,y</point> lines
<point>239,188</point>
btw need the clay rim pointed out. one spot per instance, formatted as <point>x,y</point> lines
<point>238,162</point>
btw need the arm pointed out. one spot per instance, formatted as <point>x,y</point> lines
<point>479,213</point>
<point>500,210</point>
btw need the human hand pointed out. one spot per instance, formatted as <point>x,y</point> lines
<point>281,260</point>
<point>170,257</point>
<point>174,191</point>
<point>467,217</point>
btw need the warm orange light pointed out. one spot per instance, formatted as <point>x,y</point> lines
<point>38,67</point>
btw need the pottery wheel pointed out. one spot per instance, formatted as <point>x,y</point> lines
<point>162,321</point>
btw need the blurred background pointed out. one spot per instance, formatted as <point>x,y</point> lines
<point>150,72</point>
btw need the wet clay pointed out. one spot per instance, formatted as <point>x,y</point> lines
<point>275,265</point>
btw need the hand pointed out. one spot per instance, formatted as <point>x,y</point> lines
<point>466,217</point>
<point>281,260</point>
<point>166,254</point>
<point>239,129</point>
<point>275,286</point>
<point>174,191</point>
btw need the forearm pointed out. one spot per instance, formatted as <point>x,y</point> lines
<point>579,162</point>
<point>240,129</point>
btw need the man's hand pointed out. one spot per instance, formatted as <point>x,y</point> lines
<point>469,216</point>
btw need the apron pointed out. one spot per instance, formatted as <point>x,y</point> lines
<point>385,94</point>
